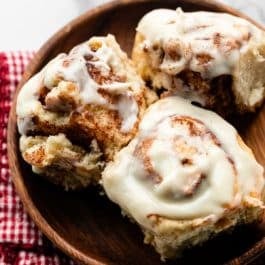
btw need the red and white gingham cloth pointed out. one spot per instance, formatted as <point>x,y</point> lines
<point>21,243</point>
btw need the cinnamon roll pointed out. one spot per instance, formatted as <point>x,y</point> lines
<point>185,177</point>
<point>214,59</point>
<point>93,97</point>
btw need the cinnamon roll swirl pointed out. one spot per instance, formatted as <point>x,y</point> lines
<point>216,60</point>
<point>93,97</point>
<point>185,177</point>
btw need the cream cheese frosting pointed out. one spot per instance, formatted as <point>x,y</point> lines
<point>28,103</point>
<point>78,67</point>
<point>205,42</point>
<point>185,163</point>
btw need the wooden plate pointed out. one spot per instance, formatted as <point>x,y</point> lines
<point>86,226</point>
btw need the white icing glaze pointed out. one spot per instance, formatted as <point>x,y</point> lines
<point>128,110</point>
<point>229,172</point>
<point>27,103</point>
<point>75,72</point>
<point>107,60</point>
<point>192,35</point>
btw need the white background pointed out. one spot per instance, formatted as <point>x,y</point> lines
<point>27,24</point>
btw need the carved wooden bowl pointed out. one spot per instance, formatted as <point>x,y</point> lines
<point>88,227</point>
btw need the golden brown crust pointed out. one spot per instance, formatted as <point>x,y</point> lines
<point>170,238</point>
<point>61,161</point>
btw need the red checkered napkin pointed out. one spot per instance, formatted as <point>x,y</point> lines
<point>21,243</point>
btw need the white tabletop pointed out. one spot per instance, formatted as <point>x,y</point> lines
<point>27,24</point>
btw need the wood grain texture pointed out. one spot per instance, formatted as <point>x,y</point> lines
<point>88,227</point>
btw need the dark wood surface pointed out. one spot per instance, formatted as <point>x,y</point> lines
<point>88,227</point>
